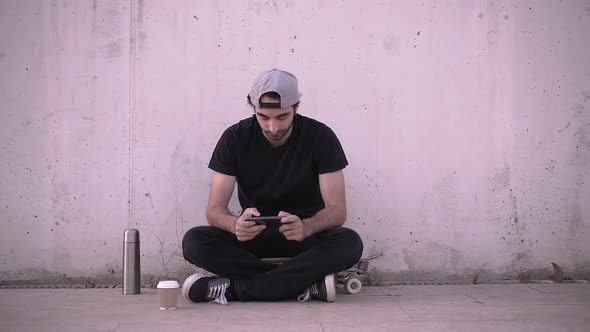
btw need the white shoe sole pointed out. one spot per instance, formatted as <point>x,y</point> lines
<point>330,284</point>
<point>188,283</point>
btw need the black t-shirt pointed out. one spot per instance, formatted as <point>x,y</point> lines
<point>285,178</point>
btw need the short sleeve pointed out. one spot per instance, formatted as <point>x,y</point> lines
<point>223,159</point>
<point>329,155</point>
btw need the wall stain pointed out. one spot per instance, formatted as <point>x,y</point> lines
<point>391,43</point>
<point>113,49</point>
<point>442,258</point>
<point>139,27</point>
<point>150,197</point>
<point>580,154</point>
<point>106,22</point>
<point>520,260</point>
<point>502,178</point>
<point>492,36</point>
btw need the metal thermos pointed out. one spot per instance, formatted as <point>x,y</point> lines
<point>131,271</point>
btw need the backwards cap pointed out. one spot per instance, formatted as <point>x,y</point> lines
<point>279,81</point>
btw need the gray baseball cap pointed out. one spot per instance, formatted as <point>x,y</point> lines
<point>279,81</point>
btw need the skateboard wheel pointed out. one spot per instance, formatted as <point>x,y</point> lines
<point>352,286</point>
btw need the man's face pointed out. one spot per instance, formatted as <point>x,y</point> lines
<point>276,123</point>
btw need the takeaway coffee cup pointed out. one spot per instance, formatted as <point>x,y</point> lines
<point>168,293</point>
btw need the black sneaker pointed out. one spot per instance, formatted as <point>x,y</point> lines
<point>324,290</point>
<point>200,288</point>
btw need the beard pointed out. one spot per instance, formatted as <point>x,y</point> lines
<point>280,134</point>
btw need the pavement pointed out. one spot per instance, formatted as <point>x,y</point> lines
<point>481,307</point>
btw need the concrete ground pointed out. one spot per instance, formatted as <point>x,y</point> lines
<point>486,307</point>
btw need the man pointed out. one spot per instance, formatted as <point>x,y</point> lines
<point>288,165</point>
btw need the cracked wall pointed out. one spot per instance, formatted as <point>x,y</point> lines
<point>466,125</point>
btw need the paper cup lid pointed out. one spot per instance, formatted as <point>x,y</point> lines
<point>168,284</point>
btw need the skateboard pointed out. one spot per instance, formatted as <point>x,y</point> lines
<point>349,280</point>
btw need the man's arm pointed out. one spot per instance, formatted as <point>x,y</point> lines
<point>332,215</point>
<point>218,214</point>
<point>333,194</point>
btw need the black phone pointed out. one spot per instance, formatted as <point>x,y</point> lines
<point>270,221</point>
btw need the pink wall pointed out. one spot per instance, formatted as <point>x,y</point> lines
<point>466,125</point>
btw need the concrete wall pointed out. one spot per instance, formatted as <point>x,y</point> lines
<point>466,124</point>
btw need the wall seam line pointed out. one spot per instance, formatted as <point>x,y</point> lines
<point>132,105</point>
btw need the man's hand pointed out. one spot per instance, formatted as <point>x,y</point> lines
<point>247,230</point>
<point>293,227</point>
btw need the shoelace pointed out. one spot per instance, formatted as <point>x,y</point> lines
<point>306,295</point>
<point>217,293</point>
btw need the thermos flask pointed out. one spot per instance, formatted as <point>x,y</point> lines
<point>131,266</point>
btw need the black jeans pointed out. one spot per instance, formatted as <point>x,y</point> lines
<point>221,253</point>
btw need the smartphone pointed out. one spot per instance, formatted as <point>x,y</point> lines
<point>270,221</point>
